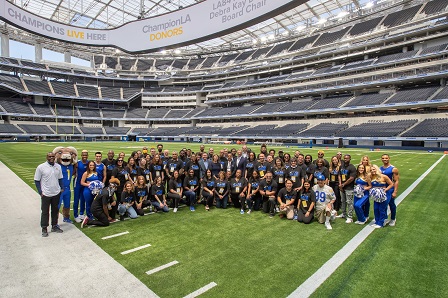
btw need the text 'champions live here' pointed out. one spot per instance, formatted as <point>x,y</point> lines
<point>194,23</point>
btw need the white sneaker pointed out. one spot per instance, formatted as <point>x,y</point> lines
<point>340,215</point>
<point>392,223</point>
<point>333,214</point>
<point>249,211</point>
<point>386,222</point>
<point>376,226</point>
<point>360,222</point>
<point>328,226</point>
<point>373,223</point>
<point>82,216</point>
<point>78,219</point>
<point>349,220</point>
<point>277,209</point>
<point>175,210</point>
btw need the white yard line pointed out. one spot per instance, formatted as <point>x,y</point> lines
<point>320,276</point>
<point>115,235</point>
<point>157,269</point>
<point>135,249</point>
<point>201,290</point>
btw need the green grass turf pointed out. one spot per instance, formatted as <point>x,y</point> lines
<point>255,256</point>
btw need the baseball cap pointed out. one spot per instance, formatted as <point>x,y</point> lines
<point>320,177</point>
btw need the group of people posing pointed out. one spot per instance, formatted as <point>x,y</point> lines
<point>296,187</point>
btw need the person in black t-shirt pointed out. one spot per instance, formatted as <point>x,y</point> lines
<point>253,199</point>
<point>110,165</point>
<point>307,201</point>
<point>286,198</point>
<point>157,198</point>
<point>268,189</point>
<point>175,190</point>
<point>208,188</point>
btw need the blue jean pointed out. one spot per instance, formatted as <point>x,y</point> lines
<point>131,211</point>
<point>222,203</point>
<point>78,199</point>
<point>191,196</point>
<point>359,206</point>
<point>157,205</point>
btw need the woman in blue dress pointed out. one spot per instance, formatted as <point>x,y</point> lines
<point>361,195</point>
<point>380,185</point>
<point>93,186</point>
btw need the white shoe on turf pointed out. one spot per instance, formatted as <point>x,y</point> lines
<point>349,220</point>
<point>328,226</point>
<point>78,219</point>
<point>392,223</point>
<point>376,226</point>
<point>386,222</point>
<point>333,214</point>
<point>175,210</point>
<point>340,215</point>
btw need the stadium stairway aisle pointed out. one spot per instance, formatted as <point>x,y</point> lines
<point>61,265</point>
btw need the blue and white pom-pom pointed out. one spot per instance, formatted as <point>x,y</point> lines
<point>358,191</point>
<point>96,186</point>
<point>378,194</point>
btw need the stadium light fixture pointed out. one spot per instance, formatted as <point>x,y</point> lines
<point>163,52</point>
<point>177,51</point>
<point>300,28</point>
<point>271,37</point>
<point>254,41</point>
<point>263,38</point>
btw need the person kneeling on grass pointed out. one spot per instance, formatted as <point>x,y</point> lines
<point>285,198</point>
<point>158,199</point>
<point>127,201</point>
<point>307,201</point>
<point>102,206</point>
<point>325,198</point>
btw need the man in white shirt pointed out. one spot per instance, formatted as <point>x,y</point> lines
<point>49,184</point>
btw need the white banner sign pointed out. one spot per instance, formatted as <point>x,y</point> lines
<point>202,21</point>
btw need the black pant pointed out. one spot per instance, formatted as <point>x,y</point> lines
<point>46,202</point>
<point>337,204</point>
<point>101,218</point>
<point>175,197</point>
<point>236,200</point>
<point>208,198</point>
<point>269,205</point>
<point>305,219</point>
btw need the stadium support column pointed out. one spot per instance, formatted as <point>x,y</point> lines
<point>67,57</point>
<point>37,52</point>
<point>5,45</point>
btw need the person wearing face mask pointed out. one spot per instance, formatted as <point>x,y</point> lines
<point>103,206</point>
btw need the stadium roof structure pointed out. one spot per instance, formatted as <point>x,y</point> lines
<point>109,14</point>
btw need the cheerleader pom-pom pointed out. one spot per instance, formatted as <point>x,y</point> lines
<point>378,195</point>
<point>358,191</point>
<point>96,186</point>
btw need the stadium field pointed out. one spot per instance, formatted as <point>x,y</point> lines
<point>255,256</point>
